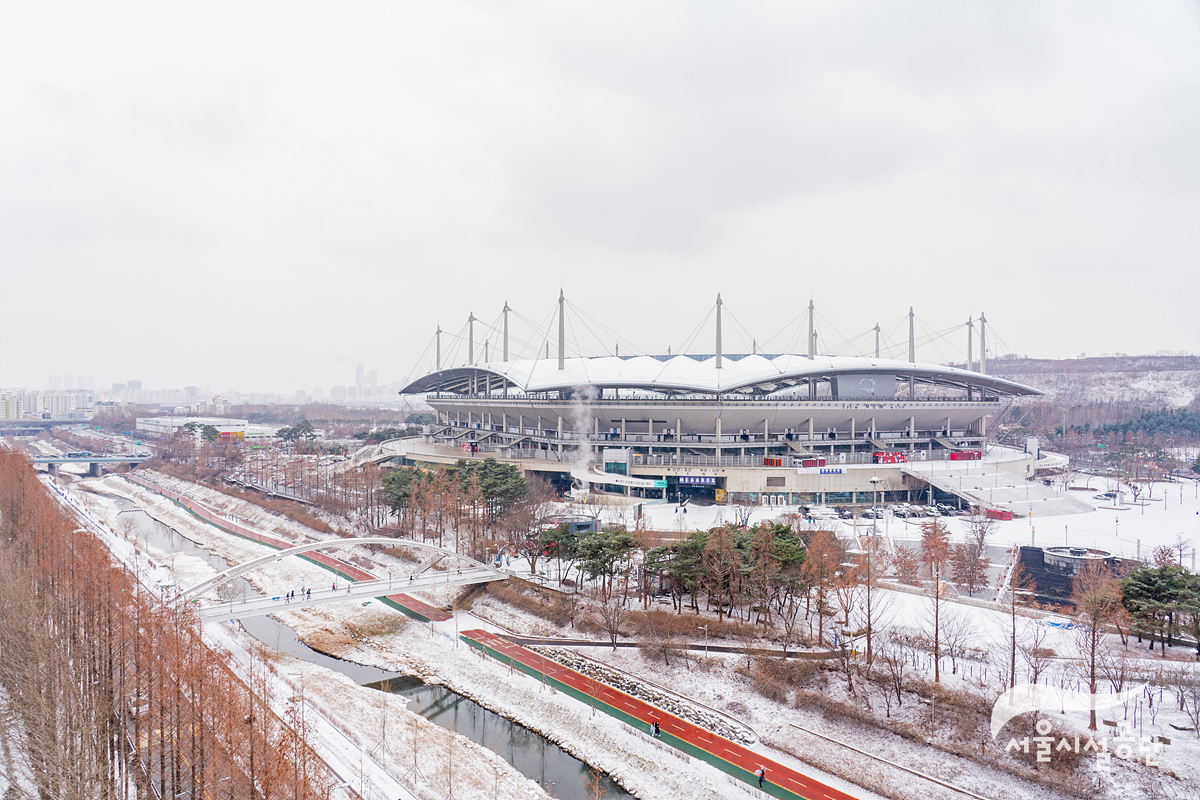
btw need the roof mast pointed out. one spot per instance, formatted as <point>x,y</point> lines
<point>506,310</point>
<point>912,339</point>
<point>471,338</point>
<point>811,341</point>
<point>719,304</point>
<point>912,354</point>
<point>562,335</point>
<point>970,343</point>
<point>982,343</point>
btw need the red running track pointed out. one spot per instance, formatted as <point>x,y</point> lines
<point>728,756</point>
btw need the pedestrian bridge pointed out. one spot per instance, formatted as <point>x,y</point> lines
<point>345,591</point>
<point>473,566</point>
<point>113,459</point>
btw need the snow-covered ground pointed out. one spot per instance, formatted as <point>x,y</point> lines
<point>378,636</point>
<point>381,637</point>
<point>1150,388</point>
<point>1169,511</point>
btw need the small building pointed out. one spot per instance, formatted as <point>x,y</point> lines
<point>1053,569</point>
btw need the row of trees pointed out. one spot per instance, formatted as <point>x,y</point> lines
<point>1163,603</point>
<point>482,504</point>
<point>1163,422</point>
<point>112,694</point>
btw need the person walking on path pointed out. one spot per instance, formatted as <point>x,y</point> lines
<point>761,772</point>
<point>654,728</point>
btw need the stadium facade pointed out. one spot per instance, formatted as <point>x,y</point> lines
<point>758,428</point>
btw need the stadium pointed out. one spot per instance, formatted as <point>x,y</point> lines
<point>785,428</point>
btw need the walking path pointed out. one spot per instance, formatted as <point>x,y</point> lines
<point>728,756</point>
<point>360,774</point>
<point>370,588</point>
<point>557,641</point>
<point>401,602</point>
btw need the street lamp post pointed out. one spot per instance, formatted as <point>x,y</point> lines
<point>705,628</point>
<point>874,507</point>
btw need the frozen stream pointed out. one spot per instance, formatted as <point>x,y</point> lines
<point>537,758</point>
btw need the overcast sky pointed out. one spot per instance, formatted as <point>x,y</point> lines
<point>253,196</point>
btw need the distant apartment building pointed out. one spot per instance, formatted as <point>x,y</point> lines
<point>56,405</point>
<point>12,405</point>
<point>109,407</point>
<point>216,406</point>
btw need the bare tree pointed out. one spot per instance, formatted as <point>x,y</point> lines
<point>721,567</point>
<point>935,554</point>
<point>1021,589</point>
<point>111,690</point>
<point>907,562</point>
<point>1036,654</point>
<point>659,633</point>
<point>742,512</point>
<point>528,517</point>
<point>1097,599</point>
<point>970,561</point>
<point>1187,687</point>
<point>958,630</point>
<point>613,608</point>
<point>820,569</point>
<point>874,606</point>
<point>968,570</point>
<point>894,661</point>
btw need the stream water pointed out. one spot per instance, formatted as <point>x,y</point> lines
<point>537,758</point>
<point>533,755</point>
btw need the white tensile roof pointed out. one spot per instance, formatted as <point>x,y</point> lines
<point>689,374</point>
